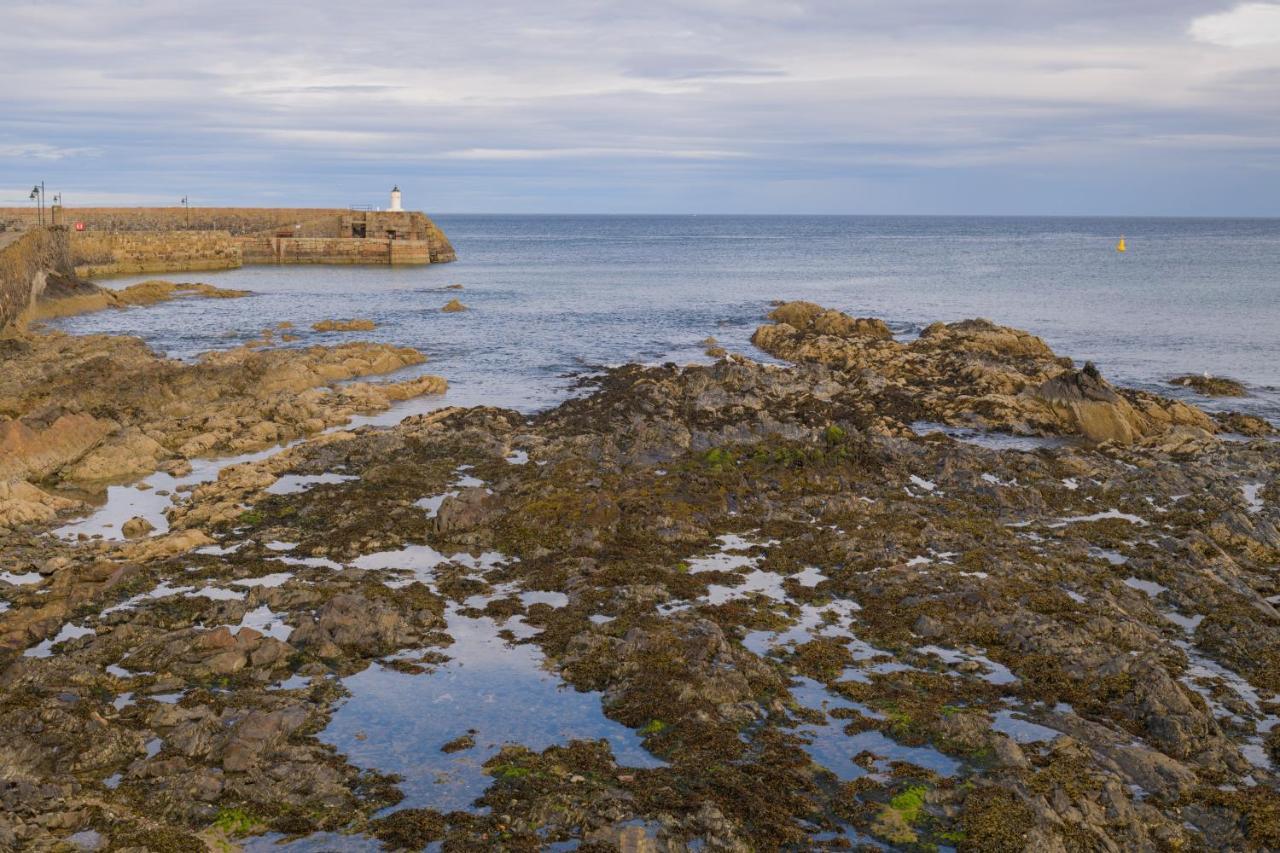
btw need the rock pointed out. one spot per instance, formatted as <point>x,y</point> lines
<point>1210,386</point>
<point>452,306</point>
<point>22,503</point>
<point>33,451</point>
<point>1086,404</point>
<point>80,297</point>
<point>257,734</point>
<point>150,292</point>
<point>168,545</point>
<point>808,317</point>
<point>148,409</point>
<point>459,743</point>
<point>136,527</point>
<point>124,456</point>
<point>353,624</point>
<point>1250,425</point>
<point>464,510</point>
<point>344,326</point>
<point>972,373</point>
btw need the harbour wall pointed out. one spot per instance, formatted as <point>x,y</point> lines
<point>27,261</point>
<point>107,241</point>
<point>101,253</point>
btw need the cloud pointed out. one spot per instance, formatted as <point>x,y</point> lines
<point>328,137</point>
<point>42,151</point>
<point>1247,25</point>
<point>667,105</point>
<point>578,153</point>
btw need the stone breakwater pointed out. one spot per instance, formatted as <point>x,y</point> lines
<point>828,625</point>
<point>119,241</point>
<point>104,253</point>
<point>27,262</point>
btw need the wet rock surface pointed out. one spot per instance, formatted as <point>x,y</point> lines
<point>826,629</point>
<point>1210,386</point>
<point>80,413</point>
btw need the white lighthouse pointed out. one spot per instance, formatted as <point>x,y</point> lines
<point>395,200</point>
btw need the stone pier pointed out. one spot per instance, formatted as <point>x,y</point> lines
<point>108,241</point>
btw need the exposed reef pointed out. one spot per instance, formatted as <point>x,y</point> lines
<point>1211,386</point>
<point>353,325</point>
<point>65,298</point>
<point>828,623</point>
<point>84,412</point>
<point>975,373</point>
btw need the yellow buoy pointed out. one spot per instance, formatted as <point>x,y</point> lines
<point>1120,247</point>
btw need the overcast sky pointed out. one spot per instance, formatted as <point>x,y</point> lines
<point>1168,107</point>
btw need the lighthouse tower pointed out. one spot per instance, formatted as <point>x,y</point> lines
<point>395,200</point>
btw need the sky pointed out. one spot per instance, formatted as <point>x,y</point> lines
<point>1040,107</point>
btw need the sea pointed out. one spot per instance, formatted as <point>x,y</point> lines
<point>553,298</point>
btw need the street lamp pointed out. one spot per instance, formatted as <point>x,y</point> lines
<point>187,207</point>
<point>37,195</point>
<point>56,209</point>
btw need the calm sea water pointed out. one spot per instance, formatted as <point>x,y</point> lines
<point>552,296</point>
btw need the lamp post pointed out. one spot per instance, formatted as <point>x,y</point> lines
<point>37,194</point>
<point>56,209</point>
<point>186,206</point>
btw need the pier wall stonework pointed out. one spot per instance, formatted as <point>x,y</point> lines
<point>333,250</point>
<point>26,262</point>
<point>106,253</point>
<point>123,240</point>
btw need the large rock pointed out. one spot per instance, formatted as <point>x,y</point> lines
<point>972,373</point>
<point>33,452</point>
<point>22,503</point>
<point>354,624</point>
<point>125,456</point>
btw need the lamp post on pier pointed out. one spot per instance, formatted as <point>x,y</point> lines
<point>37,195</point>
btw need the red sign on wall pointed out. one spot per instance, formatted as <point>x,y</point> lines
<point>79,226</point>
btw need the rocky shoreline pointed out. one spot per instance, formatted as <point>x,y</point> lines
<point>828,624</point>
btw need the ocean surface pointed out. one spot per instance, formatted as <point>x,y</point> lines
<point>553,297</point>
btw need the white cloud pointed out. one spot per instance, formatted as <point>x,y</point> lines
<point>1247,25</point>
<point>565,153</point>
<point>316,136</point>
<point>41,151</point>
